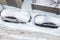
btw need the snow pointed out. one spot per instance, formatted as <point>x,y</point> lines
<point>23,16</point>
<point>55,20</point>
<point>25,37</point>
<point>39,19</point>
<point>8,12</point>
<point>58,6</point>
<point>45,3</point>
<point>30,27</point>
<point>48,3</point>
<point>55,0</point>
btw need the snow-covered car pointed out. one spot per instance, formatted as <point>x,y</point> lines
<point>15,16</point>
<point>47,21</point>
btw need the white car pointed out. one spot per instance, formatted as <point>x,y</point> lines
<point>47,21</point>
<point>15,16</point>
